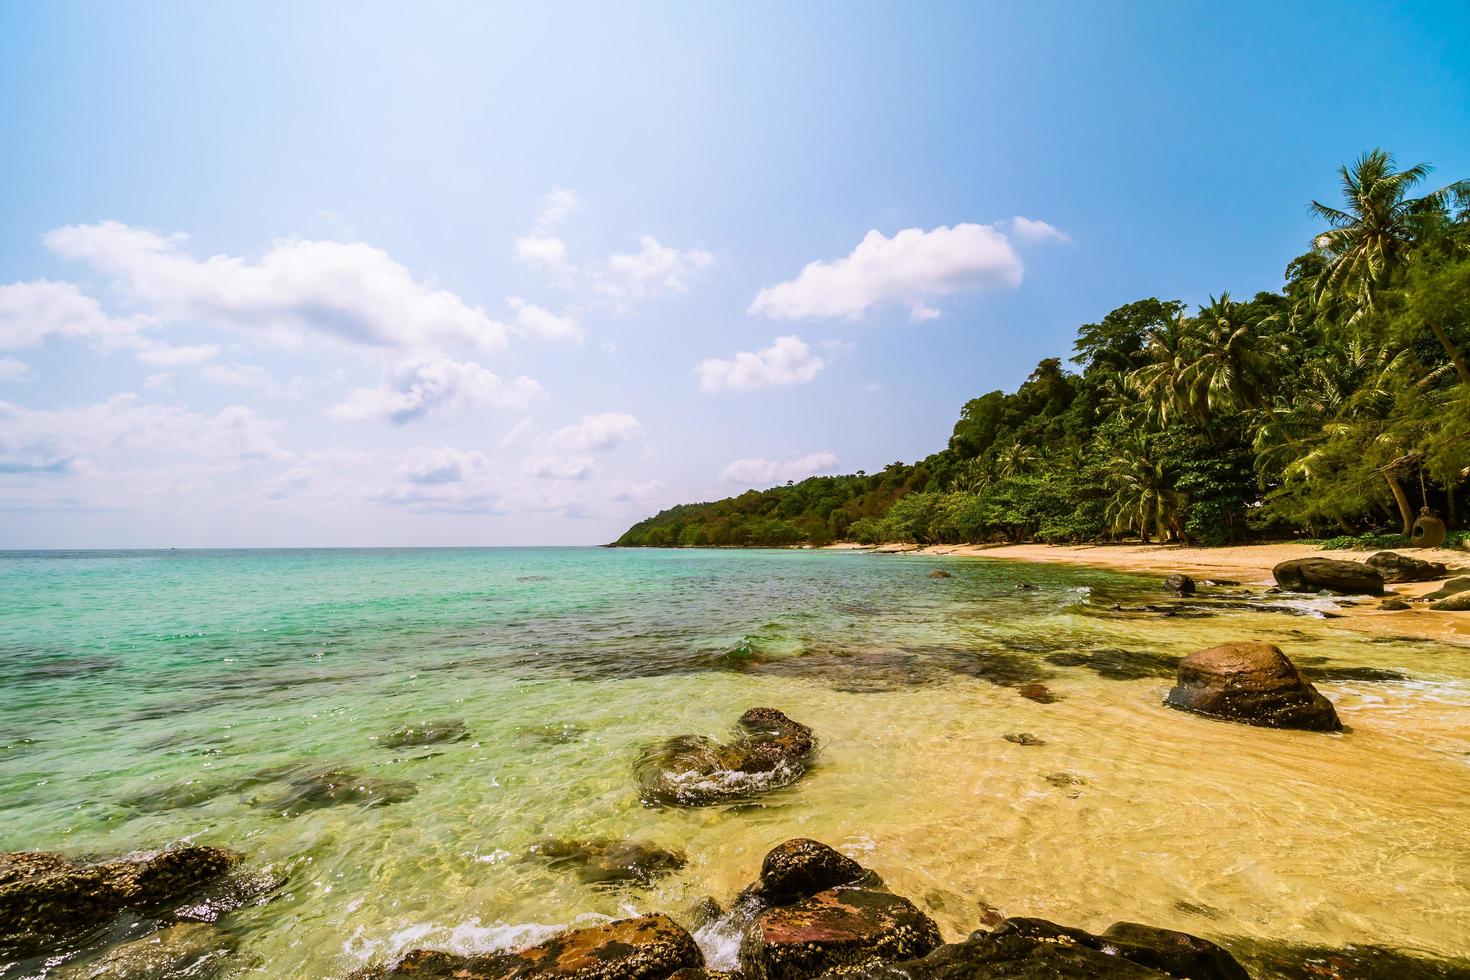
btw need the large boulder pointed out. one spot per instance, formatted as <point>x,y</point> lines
<point>1253,683</point>
<point>840,927</point>
<point>603,861</point>
<point>1459,602</point>
<point>1035,949</point>
<point>693,770</point>
<point>1454,586</point>
<point>46,899</point>
<point>1401,568</point>
<point>1334,575</point>
<point>1179,584</point>
<point>802,867</point>
<point>650,947</point>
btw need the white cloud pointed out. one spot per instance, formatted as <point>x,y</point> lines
<point>911,265</point>
<point>160,354</point>
<point>650,271</point>
<point>557,205</point>
<point>30,312</point>
<point>787,361</point>
<point>542,249</point>
<point>421,387</point>
<point>560,467</point>
<point>123,426</point>
<point>537,322</point>
<point>443,465</point>
<point>598,433</point>
<point>162,379</point>
<point>1037,231</point>
<point>350,293</point>
<point>253,376</point>
<point>13,370</point>
<point>546,253</point>
<point>760,472</point>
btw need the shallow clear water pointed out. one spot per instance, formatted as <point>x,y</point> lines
<point>132,674</point>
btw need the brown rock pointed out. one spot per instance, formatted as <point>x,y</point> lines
<point>800,868</point>
<point>1459,602</point>
<point>1401,568</point>
<point>1314,574</point>
<point>1253,683</point>
<point>841,927</point>
<point>692,770</point>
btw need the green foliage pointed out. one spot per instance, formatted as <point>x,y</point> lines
<point>1342,403</point>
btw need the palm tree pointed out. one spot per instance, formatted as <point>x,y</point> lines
<point>1141,498</point>
<point>1235,362</point>
<point>1374,234</point>
<point>1162,382</point>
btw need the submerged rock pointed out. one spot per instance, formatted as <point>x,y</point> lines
<point>939,573</point>
<point>425,733</point>
<point>1253,683</point>
<point>1024,738</point>
<point>1179,584</point>
<point>1035,949</point>
<point>1402,568</point>
<point>339,787</point>
<point>840,927</point>
<point>694,770</point>
<point>46,898</point>
<point>1039,693</point>
<point>554,734</point>
<point>1294,962</point>
<point>1119,665</point>
<point>189,950</point>
<point>1334,575</point>
<point>650,947</point>
<point>1393,605</point>
<point>611,862</point>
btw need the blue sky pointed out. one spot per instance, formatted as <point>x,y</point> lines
<point>432,274</point>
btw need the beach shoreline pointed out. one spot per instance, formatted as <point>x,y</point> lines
<point>1247,565</point>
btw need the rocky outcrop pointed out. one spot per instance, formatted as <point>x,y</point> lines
<point>1460,602</point>
<point>1253,683</point>
<point>650,947</point>
<point>1179,584</point>
<point>186,950</point>
<point>1035,949</point>
<point>693,770</point>
<point>840,927</point>
<point>45,898</point>
<point>1402,568</point>
<point>1315,574</point>
<point>425,733</point>
<point>601,861</point>
<point>802,867</point>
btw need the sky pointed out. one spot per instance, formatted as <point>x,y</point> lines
<point>360,274</point>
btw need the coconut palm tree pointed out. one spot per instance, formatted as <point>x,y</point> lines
<point>1235,362</point>
<point>1162,383</point>
<point>1375,233</point>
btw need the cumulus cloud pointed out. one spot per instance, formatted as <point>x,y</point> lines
<point>13,370</point>
<point>421,387</point>
<point>560,467</point>
<point>534,321</point>
<point>760,471</point>
<point>160,354</point>
<point>653,269</point>
<point>787,361</point>
<point>598,433</point>
<point>1029,230</point>
<point>124,425</point>
<point>910,266</point>
<point>442,465</point>
<point>349,293</point>
<point>30,312</point>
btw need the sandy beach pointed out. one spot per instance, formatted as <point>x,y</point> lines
<point>1249,565</point>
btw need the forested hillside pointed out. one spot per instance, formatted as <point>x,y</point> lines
<point>1340,405</point>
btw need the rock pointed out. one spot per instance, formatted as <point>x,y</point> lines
<point>650,947</point>
<point>244,885</point>
<point>692,770</point>
<point>1393,605</point>
<point>1024,738</point>
<point>186,950</point>
<point>1026,587</point>
<point>1034,949</point>
<point>1179,584</point>
<point>425,733</point>
<point>611,862</point>
<point>1455,603</point>
<point>46,898</point>
<point>1062,780</point>
<point>800,868</point>
<point>1253,683</point>
<point>1312,574</point>
<point>939,573</point>
<point>1039,693</point>
<point>338,787</point>
<point>1453,587</point>
<point>689,973</point>
<point>1401,568</point>
<point>840,927</point>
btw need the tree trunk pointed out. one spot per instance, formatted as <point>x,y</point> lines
<point>1402,499</point>
<point>1456,358</point>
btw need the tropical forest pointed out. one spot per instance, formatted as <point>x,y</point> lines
<point>1337,408</point>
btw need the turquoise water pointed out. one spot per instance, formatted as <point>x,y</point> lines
<point>153,697</point>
